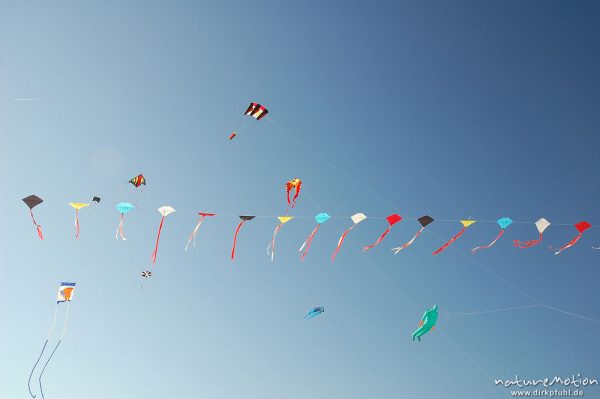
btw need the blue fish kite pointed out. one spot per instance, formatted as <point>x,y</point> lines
<point>314,312</point>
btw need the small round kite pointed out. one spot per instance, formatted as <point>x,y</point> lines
<point>77,206</point>
<point>392,220</point>
<point>320,218</point>
<point>424,221</point>
<point>356,219</point>
<point>503,223</point>
<point>32,201</point>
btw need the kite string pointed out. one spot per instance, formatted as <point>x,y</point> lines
<point>43,348</point>
<point>155,252</point>
<point>54,350</point>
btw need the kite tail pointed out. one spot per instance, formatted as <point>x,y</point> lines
<point>193,235</point>
<point>235,239</point>
<point>398,249</point>
<point>474,250</point>
<point>271,247</point>
<point>296,193</point>
<point>77,224</point>
<point>155,252</point>
<point>37,226</point>
<point>378,240</point>
<point>54,350</point>
<point>340,242</point>
<point>120,231</point>
<point>440,249</point>
<point>527,244</point>
<point>568,245</point>
<point>308,242</point>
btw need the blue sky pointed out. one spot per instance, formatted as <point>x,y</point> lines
<point>452,109</point>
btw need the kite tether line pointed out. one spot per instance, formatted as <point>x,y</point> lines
<point>42,352</point>
<point>54,350</point>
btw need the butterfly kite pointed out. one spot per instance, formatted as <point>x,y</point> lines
<point>424,221</point>
<point>254,110</point>
<point>32,201</point>
<point>203,215</point>
<point>65,294</point>
<point>320,218</point>
<point>77,206</point>
<point>503,223</point>
<point>296,185</point>
<point>392,220</point>
<point>541,225</point>
<point>581,227</point>
<point>271,247</point>
<point>164,211</point>
<point>244,219</point>
<point>466,224</point>
<point>356,219</point>
<point>314,312</point>
<point>123,208</point>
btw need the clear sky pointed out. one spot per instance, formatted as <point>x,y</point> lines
<point>454,109</point>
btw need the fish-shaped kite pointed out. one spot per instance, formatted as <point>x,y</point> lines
<point>32,201</point>
<point>356,219</point>
<point>244,219</point>
<point>503,223</point>
<point>320,218</point>
<point>581,227</point>
<point>424,221</point>
<point>392,220</point>
<point>316,311</point>
<point>77,206</point>
<point>164,211</point>
<point>271,247</point>
<point>541,225</point>
<point>466,224</point>
<point>192,236</point>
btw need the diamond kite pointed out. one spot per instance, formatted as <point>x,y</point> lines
<point>32,201</point>
<point>581,227</point>
<point>244,219</point>
<point>123,208</point>
<point>356,219</point>
<point>203,215</point>
<point>541,225</point>
<point>392,220</point>
<point>424,221</point>
<point>77,206</point>
<point>164,211</point>
<point>466,224</point>
<point>503,223</point>
<point>271,247</point>
<point>320,218</point>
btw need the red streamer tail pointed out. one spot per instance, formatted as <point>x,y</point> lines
<point>446,245</point>
<point>308,242</point>
<point>77,224</point>
<point>37,226</point>
<point>378,240</point>
<point>527,244</point>
<point>235,239</point>
<point>155,252</point>
<point>569,244</point>
<point>340,242</point>
<point>398,249</point>
<point>474,250</point>
<point>271,247</point>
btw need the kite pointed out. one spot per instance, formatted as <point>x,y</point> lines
<point>77,206</point>
<point>138,180</point>
<point>96,199</point>
<point>356,219</point>
<point>581,227</point>
<point>392,220</point>
<point>503,223</point>
<point>146,274</point>
<point>65,294</point>
<point>164,211</point>
<point>296,185</point>
<point>244,219</point>
<point>320,218</point>
<point>254,110</point>
<point>193,235</point>
<point>466,224</point>
<point>271,247</point>
<point>427,323</point>
<point>315,312</point>
<point>123,208</point>
<point>32,201</point>
<point>424,220</point>
<point>542,224</point>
